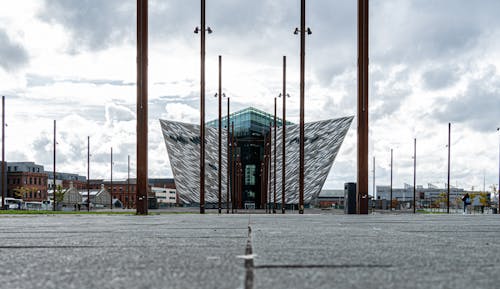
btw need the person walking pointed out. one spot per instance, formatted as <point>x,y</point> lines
<point>466,200</point>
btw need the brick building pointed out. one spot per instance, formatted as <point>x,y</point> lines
<point>125,191</point>
<point>26,180</point>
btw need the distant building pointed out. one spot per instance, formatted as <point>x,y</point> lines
<point>330,198</point>
<point>165,196</point>
<point>125,190</point>
<point>72,198</point>
<point>65,179</point>
<point>26,180</point>
<point>99,198</point>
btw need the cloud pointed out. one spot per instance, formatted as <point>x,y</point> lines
<point>93,24</point>
<point>478,106</point>
<point>440,77</point>
<point>12,55</point>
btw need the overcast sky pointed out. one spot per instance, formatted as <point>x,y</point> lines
<point>431,62</point>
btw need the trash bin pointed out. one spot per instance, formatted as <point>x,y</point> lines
<point>350,198</point>
<point>494,211</point>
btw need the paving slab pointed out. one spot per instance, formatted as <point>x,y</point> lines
<point>286,251</point>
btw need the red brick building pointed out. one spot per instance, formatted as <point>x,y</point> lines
<point>29,186</point>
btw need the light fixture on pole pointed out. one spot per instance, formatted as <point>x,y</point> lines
<point>390,199</point>
<point>302,31</point>
<point>202,31</point>
<point>54,186</point>
<point>414,174</point>
<point>449,152</point>
<point>283,127</point>
<point>3,153</point>
<point>220,95</point>
<point>88,173</point>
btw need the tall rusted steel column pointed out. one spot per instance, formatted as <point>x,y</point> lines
<point>274,150</point>
<point>362,175</point>
<point>302,90</point>
<point>142,108</point>
<point>111,183</point>
<point>283,163</point>
<point>3,152</point>
<point>88,173</point>
<point>449,152</point>
<point>54,187</point>
<point>220,135</point>
<point>228,159</point>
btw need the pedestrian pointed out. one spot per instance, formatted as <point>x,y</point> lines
<point>466,200</point>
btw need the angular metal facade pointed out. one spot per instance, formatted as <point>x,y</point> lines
<point>322,143</point>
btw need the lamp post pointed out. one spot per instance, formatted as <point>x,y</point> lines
<point>220,95</point>
<point>128,182</point>
<point>283,125</point>
<point>3,152</point>
<point>228,159</point>
<point>88,173</point>
<point>302,32</point>
<point>142,108</point>
<point>274,165</point>
<point>111,183</point>
<point>202,106</point>
<point>414,174</point>
<point>54,185</point>
<point>390,200</point>
<point>449,150</point>
<point>498,188</point>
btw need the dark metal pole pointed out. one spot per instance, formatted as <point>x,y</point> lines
<point>390,200</point>
<point>283,166</point>
<point>498,188</point>
<point>128,182</point>
<point>233,149</point>
<point>54,186</point>
<point>220,134</point>
<point>269,165</point>
<point>202,112</point>
<point>301,124</point>
<point>374,193</point>
<point>88,173</point>
<point>228,158</point>
<point>3,152</point>
<point>274,150</point>
<point>449,149</point>
<point>142,108</point>
<point>111,192</point>
<point>414,174</point>
<point>362,170</point>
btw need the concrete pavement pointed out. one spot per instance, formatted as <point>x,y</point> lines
<point>279,251</point>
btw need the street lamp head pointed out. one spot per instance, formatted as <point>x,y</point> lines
<point>223,94</point>
<point>296,31</point>
<point>309,32</point>
<point>196,30</point>
<point>216,94</point>
<point>209,30</point>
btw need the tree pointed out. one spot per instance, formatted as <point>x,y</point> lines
<point>59,194</point>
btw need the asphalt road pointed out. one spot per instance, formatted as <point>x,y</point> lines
<point>250,251</point>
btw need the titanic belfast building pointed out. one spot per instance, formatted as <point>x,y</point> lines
<point>249,158</point>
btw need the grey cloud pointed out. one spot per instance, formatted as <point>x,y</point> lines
<point>12,55</point>
<point>93,24</point>
<point>34,80</point>
<point>478,107</point>
<point>440,77</point>
<point>391,95</point>
<point>119,113</point>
